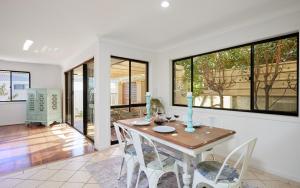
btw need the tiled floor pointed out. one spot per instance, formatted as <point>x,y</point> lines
<point>72,173</point>
<point>22,147</point>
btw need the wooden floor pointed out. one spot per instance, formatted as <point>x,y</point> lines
<point>22,147</point>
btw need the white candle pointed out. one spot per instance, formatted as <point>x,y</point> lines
<point>148,93</point>
<point>189,94</point>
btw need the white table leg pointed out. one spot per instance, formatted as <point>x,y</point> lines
<point>187,171</point>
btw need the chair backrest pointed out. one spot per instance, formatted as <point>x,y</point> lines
<point>123,136</point>
<point>137,137</point>
<point>246,150</point>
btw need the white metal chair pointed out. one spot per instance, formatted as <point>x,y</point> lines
<point>154,164</point>
<point>220,175</point>
<point>127,151</point>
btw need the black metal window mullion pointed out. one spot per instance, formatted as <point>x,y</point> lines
<point>10,86</point>
<point>129,89</point>
<point>251,78</point>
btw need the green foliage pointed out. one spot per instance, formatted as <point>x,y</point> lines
<point>266,52</point>
<point>3,90</point>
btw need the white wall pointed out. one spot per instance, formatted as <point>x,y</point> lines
<point>277,150</point>
<point>42,76</point>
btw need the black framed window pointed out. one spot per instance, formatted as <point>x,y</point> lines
<point>13,85</point>
<point>129,82</point>
<point>128,86</point>
<point>256,77</point>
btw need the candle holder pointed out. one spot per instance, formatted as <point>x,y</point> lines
<point>148,106</point>
<point>189,127</point>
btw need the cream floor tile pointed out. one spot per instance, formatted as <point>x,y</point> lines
<point>73,166</point>
<point>26,174</point>
<point>57,165</point>
<point>29,184</point>
<point>250,176</point>
<point>51,184</point>
<point>83,158</point>
<point>92,185</point>
<point>8,183</point>
<point>92,180</point>
<point>80,176</point>
<point>253,184</point>
<point>72,185</point>
<point>266,176</point>
<point>84,167</point>
<point>277,184</point>
<point>43,174</point>
<point>11,175</point>
<point>62,175</point>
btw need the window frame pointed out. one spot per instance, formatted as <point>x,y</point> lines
<point>251,78</point>
<point>130,105</point>
<point>10,85</point>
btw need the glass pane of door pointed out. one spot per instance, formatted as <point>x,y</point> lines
<point>90,100</point>
<point>68,81</point>
<point>78,98</point>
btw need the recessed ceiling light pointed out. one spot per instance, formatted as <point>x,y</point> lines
<point>165,4</point>
<point>27,44</point>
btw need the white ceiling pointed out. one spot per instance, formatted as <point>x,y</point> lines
<point>72,25</point>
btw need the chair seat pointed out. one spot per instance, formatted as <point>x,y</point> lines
<point>210,169</point>
<point>129,149</point>
<point>166,160</point>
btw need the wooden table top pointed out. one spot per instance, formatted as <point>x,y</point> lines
<point>202,136</point>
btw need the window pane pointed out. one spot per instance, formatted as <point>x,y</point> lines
<point>78,98</point>
<point>275,75</point>
<point>4,86</point>
<point>138,82</point>
<point>182,80</point>
<point>90,100</point>
<point>221,79</point>
<point>20,84</point>
<point>119,82</point>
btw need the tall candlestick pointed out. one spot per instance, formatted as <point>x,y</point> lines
<point>148,106</point>
<point>189,127</point>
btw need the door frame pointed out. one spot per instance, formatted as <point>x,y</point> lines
<point>85,99</point>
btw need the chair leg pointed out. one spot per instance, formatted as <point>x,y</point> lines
<point>177,175</point>
<point>130,170</point>
<point>120,173</point>
<point>138,178</point>
<point>195,181</point>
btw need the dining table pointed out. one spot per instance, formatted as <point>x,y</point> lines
<point>190,145</point>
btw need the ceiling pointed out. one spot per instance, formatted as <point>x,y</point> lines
<point>62,28</point>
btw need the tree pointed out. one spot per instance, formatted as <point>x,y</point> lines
<point>269,62</point>
<point>217,70</point>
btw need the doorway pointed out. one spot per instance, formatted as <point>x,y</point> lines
<point>79,85</point>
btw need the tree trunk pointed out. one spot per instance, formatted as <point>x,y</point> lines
<point>221,100</point>
<point>267,98</point>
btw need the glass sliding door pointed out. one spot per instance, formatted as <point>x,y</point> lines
<point>78,99</point>
<point>90,100</point>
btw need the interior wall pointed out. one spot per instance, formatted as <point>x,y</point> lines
<point>277,150</point>
<point>15,112</point>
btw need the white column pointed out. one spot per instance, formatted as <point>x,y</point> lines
<point>102,98</point>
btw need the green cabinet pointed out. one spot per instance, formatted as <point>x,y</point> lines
<point>44,106</point>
